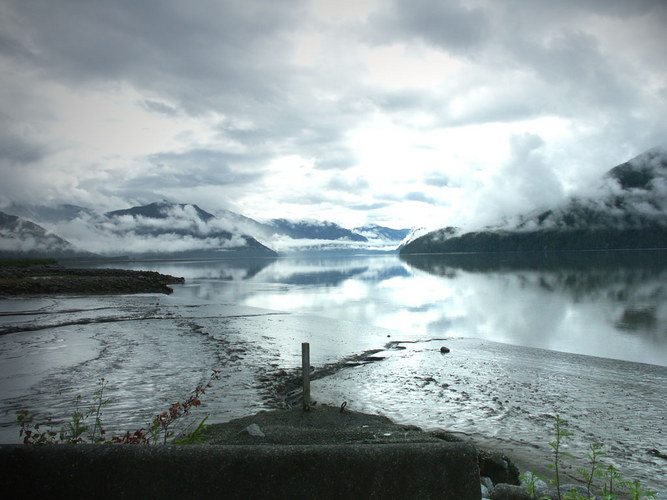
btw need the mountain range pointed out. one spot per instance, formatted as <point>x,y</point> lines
<point>627,211</point>
<point>175,230</point>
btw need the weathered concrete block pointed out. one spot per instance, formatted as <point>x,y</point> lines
<point>410,470</point>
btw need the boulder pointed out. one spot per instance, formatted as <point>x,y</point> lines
<point>498,467</point>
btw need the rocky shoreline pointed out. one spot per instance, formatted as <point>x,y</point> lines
<point>57,279</point>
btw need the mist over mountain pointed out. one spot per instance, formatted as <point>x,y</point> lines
<point>313,230</point>
<point>20,238</point>
<point>316,237</point>
<point>162,210</point>
<point>628,209</point>
<point>51,214</point>
<point>180,230</point>
<point>381,233</point>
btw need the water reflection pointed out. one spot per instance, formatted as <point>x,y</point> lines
<point>226,270</point>
<point>631,285</point>
<point>609,304</point>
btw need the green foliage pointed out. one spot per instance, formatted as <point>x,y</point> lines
<point>612,478</point>
<point>611,474</point>
<point>594,453</point>
<point>96,409</point>
<point>197,436</point>
<point>530,479</point>
<point>637,492</point>
<point>73,431</point>
<point>560,426</point>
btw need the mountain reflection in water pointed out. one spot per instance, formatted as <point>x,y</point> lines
<point>609,304</point>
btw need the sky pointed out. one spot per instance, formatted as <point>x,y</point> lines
<point>401,113</point>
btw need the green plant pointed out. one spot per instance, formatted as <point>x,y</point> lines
<point>530,479</point>
<point>96,410</point>
<point>637,492</point>
<point>196,436</point>
<point>610,474</point>
<point>560,426</point>
<point>72,432</point>
<point>593,454</point>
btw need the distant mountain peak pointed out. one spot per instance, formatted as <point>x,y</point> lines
<point>161,210</point>
<point>640,171</point>
<point>313,230</point>
<point>383,233</point>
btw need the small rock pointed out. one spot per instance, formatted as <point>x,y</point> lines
<point>485,491</point>
<point>255,431</point>
<point>486,481</point>
<point>444,350</point>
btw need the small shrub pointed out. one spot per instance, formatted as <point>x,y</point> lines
<point>77,428</point>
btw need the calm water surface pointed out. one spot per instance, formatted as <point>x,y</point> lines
<point>600,304</point>
<point>584,337</point>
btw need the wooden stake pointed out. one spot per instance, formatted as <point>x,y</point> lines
<point>305,365</point>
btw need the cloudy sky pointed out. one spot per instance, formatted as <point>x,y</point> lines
<point>404,113</point>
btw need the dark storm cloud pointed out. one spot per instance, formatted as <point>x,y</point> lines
<point>532,59</point>
<point>198,167</point>
<point>445,24</point>
<point>216,56</point>
<point>16,150</point>
<point>578,74</point>
<point>158,107</point>
<point>557,12</point>
<point>118,40</point>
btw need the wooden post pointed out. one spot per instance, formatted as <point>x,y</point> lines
<point>305,365</point>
